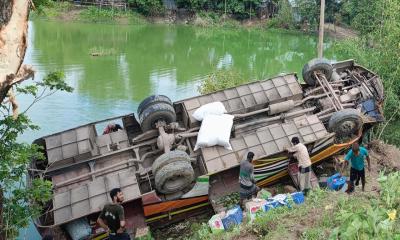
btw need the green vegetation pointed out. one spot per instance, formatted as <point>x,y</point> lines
<point>238,8</point>
<point>221,79</point>
<point>50,9</point>
<point>284,18</point>
<point>373,219</point>
<point>229,200</point>
<point>109,15</point>
<point>148,7</point>
<point>378,49</point>
<point>207,19</point>
<point>67,11</point>
<point>327,215</point>
<point>19,202</point>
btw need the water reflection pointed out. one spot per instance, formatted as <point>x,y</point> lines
<point>151,59</point>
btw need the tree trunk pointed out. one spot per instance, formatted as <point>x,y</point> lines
<point>2,232</point>
<point>13,33</point>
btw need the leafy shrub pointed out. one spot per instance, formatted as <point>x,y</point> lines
<point>284,18</point>
<point>219,80</point>
<point>148,7</point>
<point>238,8</point>
<point>309,12</point>
<point>375,220</point>
<point>105,15</point>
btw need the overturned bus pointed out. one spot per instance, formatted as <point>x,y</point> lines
<point>152,158</point>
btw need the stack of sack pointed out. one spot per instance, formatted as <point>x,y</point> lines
<point>215,127</point>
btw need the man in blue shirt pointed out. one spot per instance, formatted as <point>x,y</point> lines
<point>356,157</point>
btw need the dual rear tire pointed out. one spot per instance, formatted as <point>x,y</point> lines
<point>153,109</point>
<point>173,172</point>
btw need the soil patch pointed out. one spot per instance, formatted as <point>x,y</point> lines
<point>387,156</point>
<point>339,32</point>
<point>182,230</point>
<point>71,15</point>
<point>245,236</point>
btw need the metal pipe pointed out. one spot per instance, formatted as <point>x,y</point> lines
<point>346,105</point>
<point>242,115</point>
<point>287,105</point>
<point>148,142</point>
<point>274,118</point>
<point>327,94</point>
<point>325,111</point>
<point>329,87</point>
<point>316,96</point>
<point>281,107</point>
<point>187,135</point>
<point>352,86</point>
<point>147,134</point>
<point>319,88</point>
<point>363,83</point>
<point>69,181</point>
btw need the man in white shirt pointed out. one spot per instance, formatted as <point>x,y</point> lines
<point>300,152</point>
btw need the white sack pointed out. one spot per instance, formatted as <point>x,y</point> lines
<point>215,108</point>
<point>215,130</point>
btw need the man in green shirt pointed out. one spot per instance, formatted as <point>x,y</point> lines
<point>112,217</point>
<point>356,157</point>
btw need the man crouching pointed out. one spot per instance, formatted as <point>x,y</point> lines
<point>248,187</point>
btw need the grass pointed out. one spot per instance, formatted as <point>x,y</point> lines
<point>107,15</point>
<point>326,215</point>
<point>67,11</point>
<point>221,79</point>
<point>208,19</point>
<point>52,10</point>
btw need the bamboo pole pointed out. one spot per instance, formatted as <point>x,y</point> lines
<point>321,30</point>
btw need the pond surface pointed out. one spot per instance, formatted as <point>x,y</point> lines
<point>143,60</point>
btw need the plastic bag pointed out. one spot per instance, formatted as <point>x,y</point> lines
<point>214,108</point>
<point>215,130</point>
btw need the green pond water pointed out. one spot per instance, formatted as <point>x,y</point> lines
<point>146,60</point>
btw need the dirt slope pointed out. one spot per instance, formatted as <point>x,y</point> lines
<point>339,32</point>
